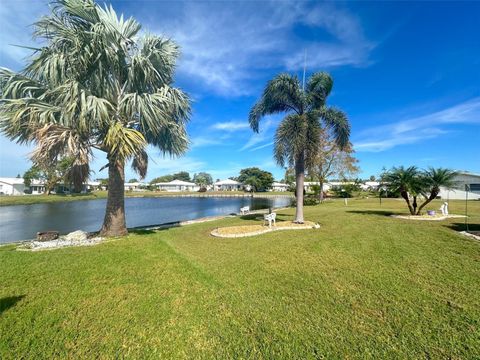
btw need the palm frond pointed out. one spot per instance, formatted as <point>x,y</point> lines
<point>290,138</point>
<point>282,94</point>
<point>140,164</point>
<point>123,143</point>
<point>337,122</point>
<point>319,87</point>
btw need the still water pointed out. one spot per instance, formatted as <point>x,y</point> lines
<point>21,222</point>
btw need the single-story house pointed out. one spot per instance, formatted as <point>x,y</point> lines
<point>11,186</point>
<point>370,185</point>
<point>466,184</point>
<point>134,186</point>
<point>278,186</point>
<point>228,185</point>
<point>177,185</point>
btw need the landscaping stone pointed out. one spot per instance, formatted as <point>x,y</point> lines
<point>78,235</point>
<point>47,235</point>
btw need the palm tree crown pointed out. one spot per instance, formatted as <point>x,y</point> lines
<point>95,84</point>
<point>297,138</point>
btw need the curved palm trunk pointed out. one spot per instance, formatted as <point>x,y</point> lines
<point>404,195</point>
<point>300,178</point>
<point>114,222</point>
<point>432,196</point>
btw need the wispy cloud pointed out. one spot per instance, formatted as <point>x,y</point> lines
<point>231,126</point>
<point>418,128</point>
<point>262,146</point>
<point>226,45</point>
<point>264,134</point>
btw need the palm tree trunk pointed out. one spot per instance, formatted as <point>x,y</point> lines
<point>300,178</point>
<point>114,221</point>
<point>432,196</point>
<point>404,195</point>
<point>414,205</point>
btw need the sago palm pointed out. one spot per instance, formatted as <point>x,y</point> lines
<point>433,180</point>
<point>96,84</point>
<point>297,138</point>
<point>406,182</point>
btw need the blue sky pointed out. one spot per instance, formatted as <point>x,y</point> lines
<point>406,73</point>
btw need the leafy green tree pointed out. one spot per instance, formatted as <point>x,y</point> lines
<point>131,181</point>
<point>182,175</point>
<point>50,174</point>
<point>161,179</point>
<point>332,160</point>
<point>298,135</point>
<point>203,179</point>
<point>96,83</point>
<point>258,179</point>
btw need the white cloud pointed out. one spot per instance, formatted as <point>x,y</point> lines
<point>265,133</point>
<point>418,128</point>
<point>231,125</point>
<point>16,18</point>
<point>262,146</point>
<point>226,45</point>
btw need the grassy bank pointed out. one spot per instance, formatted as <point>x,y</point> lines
<point>363,286</point>
<point>38,199</point>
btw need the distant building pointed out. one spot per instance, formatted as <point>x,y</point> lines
<point>133,186</point>
<point>278,186</point>
<point>177,185</point>
<point>11,186</point>
<point>228,185</point>
<point>464,182</point>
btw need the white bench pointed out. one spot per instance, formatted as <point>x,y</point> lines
<point>270,218</point>
<point>244,210</point>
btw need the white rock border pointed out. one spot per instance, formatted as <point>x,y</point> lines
<point>424,218</point>
<point>470,235</point>
<point>215,232</point>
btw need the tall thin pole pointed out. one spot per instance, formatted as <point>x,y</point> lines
<point>467,188</point>
<point>304,69</point>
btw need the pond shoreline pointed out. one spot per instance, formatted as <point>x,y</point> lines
<point>166,225</point>
<point>57,198</point>
<point>21,223</point>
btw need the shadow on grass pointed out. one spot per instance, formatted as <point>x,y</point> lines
<point>259,217</point>
<point>9,302</point>
<point>142,231</point>
<point>372,212</point>
<point>460,226</point>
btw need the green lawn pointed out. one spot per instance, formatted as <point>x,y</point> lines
<point>363,286</point>
<point>37,199</point>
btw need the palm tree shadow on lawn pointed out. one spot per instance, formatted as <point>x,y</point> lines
<point>259,217</point>
<point>9,302</point>
<point>372,212</point>
<point>460,226</point>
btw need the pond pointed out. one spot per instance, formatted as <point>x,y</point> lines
<point>22,222</point>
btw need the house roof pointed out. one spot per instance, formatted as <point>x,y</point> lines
<point>228,182</point>
<point>279,184</point>
<point>177,182</point>
<point>11,181</point>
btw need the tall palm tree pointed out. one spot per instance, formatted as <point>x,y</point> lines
<point>96,84</point>
<point>297,138</point>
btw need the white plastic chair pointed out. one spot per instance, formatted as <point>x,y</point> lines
<point>244,210</point>
<point>270,218</point>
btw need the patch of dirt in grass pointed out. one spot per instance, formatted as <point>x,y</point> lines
<point>251,230</point>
